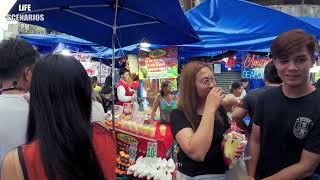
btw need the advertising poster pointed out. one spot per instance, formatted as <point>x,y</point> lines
<point>158,64</point>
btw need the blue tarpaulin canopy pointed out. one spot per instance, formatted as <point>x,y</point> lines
<point>234,25</point>
<point>313,21</point>
<point>221,25</point>
<point>131,21</point>
<point>240,25</point>
<point>55,43</point>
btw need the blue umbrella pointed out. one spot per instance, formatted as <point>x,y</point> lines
<point>55,43</point>
<point>130,21</point>
<point>111,23</point>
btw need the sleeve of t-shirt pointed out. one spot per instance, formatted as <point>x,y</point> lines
<point>258,114</point>
<point>313,141</point>
<point>121,93</point>
<point>178,121</point>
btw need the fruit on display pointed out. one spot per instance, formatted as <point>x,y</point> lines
<point>146,130</point>
<point>116,124</point>
<point>152,168</point>
<point>123,163</point>
<point>127,117</point>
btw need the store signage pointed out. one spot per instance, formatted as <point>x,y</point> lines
<point>158,64</point>
<point>157,53</point>
<point>253,66</point>
<point>126,138</point>
<point>253,61</point>
<point>82,57</point>
<point>257,73</point>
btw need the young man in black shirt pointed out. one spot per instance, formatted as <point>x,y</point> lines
<point>248,103</point>
<point>285,141</point>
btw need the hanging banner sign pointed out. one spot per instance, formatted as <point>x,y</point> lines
<point>82,57</point>
<point>253,66</point>
<point>158,64</point>
<point>93,68</point>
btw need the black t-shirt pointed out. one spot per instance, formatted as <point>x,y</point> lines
<point>249,102</point>
<point>213,162</point>
<point>287,127</point>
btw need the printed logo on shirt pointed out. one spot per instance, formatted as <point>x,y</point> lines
<point>302,127</point>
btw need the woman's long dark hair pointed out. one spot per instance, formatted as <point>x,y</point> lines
<point>107,88</point>
<point>59,117</point>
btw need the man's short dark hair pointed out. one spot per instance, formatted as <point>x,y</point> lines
<point>123,71</point>
<point>235,85</point>
<point>15,54</point>
<point>271,74</point>
<point>94,78</point>
<point>135,78</point>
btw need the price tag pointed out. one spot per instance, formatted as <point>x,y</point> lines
<point>152,149</point>
<point>132,151</point>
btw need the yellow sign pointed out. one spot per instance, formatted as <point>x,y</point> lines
<point>126,138</point>
<point>157,53</point>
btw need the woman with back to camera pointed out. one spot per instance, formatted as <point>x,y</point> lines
<point>198,125</point>
<point>61,142</point>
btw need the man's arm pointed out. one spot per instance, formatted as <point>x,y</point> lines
<point>121,93</point>
<point>237,115</point>
<point>254,150</point>
<point>304,168</point>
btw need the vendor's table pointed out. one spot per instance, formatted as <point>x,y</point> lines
<point>136,144</point>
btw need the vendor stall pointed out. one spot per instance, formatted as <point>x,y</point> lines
<point>137,140</point>
<point>137,134</point>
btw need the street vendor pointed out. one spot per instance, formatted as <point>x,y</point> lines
<point>124,93</point>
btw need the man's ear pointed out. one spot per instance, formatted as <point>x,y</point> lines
<point>27,74</point>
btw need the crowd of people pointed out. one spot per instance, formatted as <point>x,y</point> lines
<point>284,128</point>
<point>50,110</point>
<point>47,133</point>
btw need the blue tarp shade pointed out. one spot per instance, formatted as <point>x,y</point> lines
<point>235,25</point>
<point>313,21</point>
<point>241,25</point>
<point>156,21</point>
<point>184,53</point>
<point>55,43</point>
